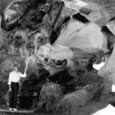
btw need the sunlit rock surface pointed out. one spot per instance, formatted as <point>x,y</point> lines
<point>84,36</point>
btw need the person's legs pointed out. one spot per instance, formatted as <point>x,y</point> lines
<point>15,94</point>
<point>11,98</point>
<point>12,94</point>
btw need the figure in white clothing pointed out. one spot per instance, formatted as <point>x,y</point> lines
<point>13,82</point>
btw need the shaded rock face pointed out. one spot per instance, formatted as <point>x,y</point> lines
<point>64,79</point>
<point>49,96</point>
<point>72,101</point>
<point>4,93</point>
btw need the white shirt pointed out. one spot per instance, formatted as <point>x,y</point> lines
<point>98,66</point>
<point>15,77</point>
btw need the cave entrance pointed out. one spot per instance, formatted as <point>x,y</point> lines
<point>30,89</point>
<point>29,93</point>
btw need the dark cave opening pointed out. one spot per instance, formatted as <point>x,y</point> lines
<point>30,89</point>
<point>80,18</point>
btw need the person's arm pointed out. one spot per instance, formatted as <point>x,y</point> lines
<point>9,82</point>
<point>25,71</point>
<point>23,75</point>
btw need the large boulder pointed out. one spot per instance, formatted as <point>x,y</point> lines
<point>83,36</point>
<point>50,95</point>
<point>72,101</point>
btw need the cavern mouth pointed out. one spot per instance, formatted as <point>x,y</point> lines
<point>62,45</point>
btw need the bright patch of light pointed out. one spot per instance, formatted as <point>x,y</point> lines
<point>9,13</point>
<point>81,3</point>
<point>98,66</point>
<point>109,110</point>
<point>113,88</point>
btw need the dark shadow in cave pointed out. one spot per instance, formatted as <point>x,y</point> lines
<point>112,19</point>
<point>89,66</point>
<point>80,18</point>
<point>63,78</point>
<point>110,38</point>
<point>30,90</point>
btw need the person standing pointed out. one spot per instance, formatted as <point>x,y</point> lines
<point>13,82</point>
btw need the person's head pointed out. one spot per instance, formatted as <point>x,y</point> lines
<point>16,67</point>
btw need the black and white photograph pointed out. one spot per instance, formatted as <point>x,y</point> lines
<point>57,57</point>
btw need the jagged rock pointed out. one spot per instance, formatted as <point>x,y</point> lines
<point>52,17</point>
<point>32,19</point>
<point>14,11</point>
